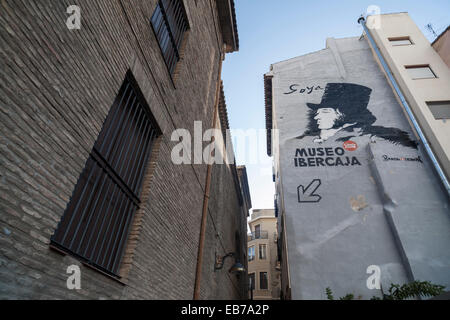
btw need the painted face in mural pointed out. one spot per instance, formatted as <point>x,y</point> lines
<point>329,122</point>
<point>327,117</point>
<point>343,109</point>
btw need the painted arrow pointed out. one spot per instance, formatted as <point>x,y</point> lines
<point>307,195</point>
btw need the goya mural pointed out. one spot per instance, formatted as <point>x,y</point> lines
<point>342,115</point>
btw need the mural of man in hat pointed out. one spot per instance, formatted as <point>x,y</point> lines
<point>344,109</point>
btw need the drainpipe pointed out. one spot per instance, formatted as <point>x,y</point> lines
<point>201,244</point>
<point>408,110</point>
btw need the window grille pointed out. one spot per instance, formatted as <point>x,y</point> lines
<point>170,23</point>
<point>95,225</point>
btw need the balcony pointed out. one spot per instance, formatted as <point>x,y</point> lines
<point>257,235</point>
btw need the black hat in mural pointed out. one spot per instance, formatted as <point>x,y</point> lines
<point>344,96</point>
<point>352,101</point>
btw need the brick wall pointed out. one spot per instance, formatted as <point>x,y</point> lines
<point>56,88</point>
<point>224,215</point>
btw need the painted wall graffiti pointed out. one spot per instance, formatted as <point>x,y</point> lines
<point>343,114</point>
<point>354,187</point>
<point>308,90</point>
<point>415,159</point>
<point>309,194</point>
<point>324,157</point>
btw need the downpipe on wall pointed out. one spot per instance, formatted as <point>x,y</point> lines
<point>407,108</point>
<point>206,196</point>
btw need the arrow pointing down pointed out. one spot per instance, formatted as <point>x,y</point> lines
<point>308,194</point>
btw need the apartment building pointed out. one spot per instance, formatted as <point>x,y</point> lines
<point>263,266</point>
<point>92,204</point>
<point>422,74</point>
<point>359,195</point>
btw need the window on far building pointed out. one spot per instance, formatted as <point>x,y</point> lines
<point>420,72</point>
<point>262,251</point>
<point>170,24</point>
<point>251,253</point>
<point>257,231</point>
<point>400,41</point>
<point>251,281</point>
<point>440,109</point>
<point>263,281</point>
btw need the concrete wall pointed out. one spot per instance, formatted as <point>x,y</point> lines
<point>56,89</point>
<point>380,204</point>
<point>417,92</point>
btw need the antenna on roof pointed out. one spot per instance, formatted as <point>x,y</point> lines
<point>361,18</point>
<point>430,28</point>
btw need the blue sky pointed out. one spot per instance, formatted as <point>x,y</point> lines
<point>275,30</point>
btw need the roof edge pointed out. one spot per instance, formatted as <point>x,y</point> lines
<point>269,106</point>
<point>242,170</point>
<point>228,24</point>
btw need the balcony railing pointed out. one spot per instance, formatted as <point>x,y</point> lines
<point>257,235</point>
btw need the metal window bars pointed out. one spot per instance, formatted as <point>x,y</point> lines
<point>94,227</point>
<point>169,23</point>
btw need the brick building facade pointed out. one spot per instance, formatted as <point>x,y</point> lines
<point>57,87</point>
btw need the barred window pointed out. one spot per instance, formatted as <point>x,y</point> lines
<point>170,23</point>
<point>95,225</point>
